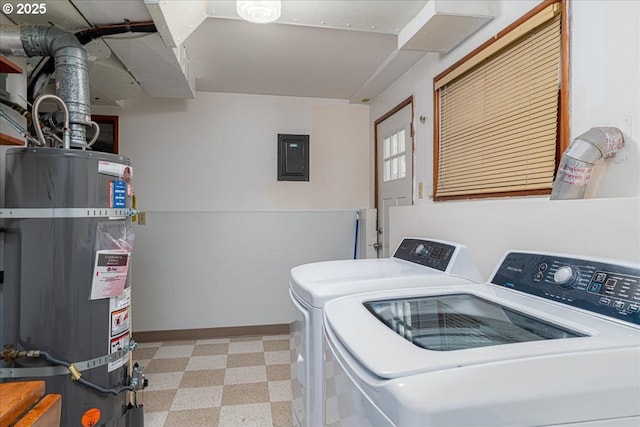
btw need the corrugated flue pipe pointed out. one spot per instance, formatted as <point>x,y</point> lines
<point>72,69</point>
<point>576,165</point>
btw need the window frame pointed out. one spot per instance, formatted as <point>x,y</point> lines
<point>398,155</point>
<point>562,138</point>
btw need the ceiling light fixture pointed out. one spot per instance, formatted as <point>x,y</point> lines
<point>259,11</point>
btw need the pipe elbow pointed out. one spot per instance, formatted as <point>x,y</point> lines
<point>595,143</point>
<point>59,39</point>
<point>576,165</point>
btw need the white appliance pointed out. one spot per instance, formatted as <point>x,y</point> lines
<point>415,263</point>
<point>551,340</point>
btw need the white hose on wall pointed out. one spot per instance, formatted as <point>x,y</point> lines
<point>576,165</point>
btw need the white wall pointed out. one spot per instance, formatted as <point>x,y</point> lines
<point>217,269</point>
<point>604,91</point>
<point>222,233</point>
<point>603,228</point>
<point>218,152</point>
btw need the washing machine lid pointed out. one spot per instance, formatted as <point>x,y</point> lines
<point>366,276</point>
<point>463,326</point>
<point>414,259</point>
<point>354,270</point>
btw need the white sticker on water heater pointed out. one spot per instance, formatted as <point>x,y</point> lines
<point>109,273</point>
<point>120,327</point>
<point>115,169</point>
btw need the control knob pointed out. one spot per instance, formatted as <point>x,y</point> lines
<point>421,250</point>
<point>565,276</point>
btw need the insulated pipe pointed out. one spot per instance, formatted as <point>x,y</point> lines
<point>576,165</point>
<point>66,142</point>
<point>71,65</point>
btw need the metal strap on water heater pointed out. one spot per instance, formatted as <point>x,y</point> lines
<point>51,371</point>
<point>10,213</point>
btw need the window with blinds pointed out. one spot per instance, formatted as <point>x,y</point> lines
<point>497,116</point>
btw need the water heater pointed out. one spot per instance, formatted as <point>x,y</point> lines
<point>65,300</point>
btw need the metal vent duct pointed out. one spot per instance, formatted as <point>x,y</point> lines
<point>71,65</point>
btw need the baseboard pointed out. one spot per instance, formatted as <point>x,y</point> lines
<point>209,333</point>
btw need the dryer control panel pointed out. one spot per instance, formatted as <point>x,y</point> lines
<point>608,288</point>
<point>429,253</point>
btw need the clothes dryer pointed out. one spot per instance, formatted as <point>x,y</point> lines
<point>416,262</point>
<point>550,340</point>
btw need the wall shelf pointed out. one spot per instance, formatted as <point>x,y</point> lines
<point>7,66</point>
<point>10,140</point>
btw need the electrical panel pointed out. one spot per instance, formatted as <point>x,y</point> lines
<point>293,157</point>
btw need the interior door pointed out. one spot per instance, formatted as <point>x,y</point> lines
<point>394,160</point>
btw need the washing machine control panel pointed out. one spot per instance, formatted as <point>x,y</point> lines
<point>608,288</point>
<point>431,254</point>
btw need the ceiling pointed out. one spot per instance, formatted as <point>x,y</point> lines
<point>330,49</point>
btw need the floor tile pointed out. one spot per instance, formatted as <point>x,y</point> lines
<point>210,349</point>
<point>214,341</point>
<point>207,378</point>
<point>204,417</point>
<point>149,344</point>
<point>201,363</point>
<point>278,372</point>
<point>172,343</point>
<point>276,337</point>
<point>252,415</point>
<point>246,347</point>
<point>245,374</point>
<point>144,352</point>
<point>164,381</point>
<point>246,338</point>
<point>277,357</point>
<point>240,394</point>
<point>196,398</point>
<point>245,359</point>
<point>158,401</point>
<point>281,414</point>
<point>232,382</point>
<point>171,352</point>
<point>276,345</point>
<point>167,365</point>
<point>154,419</point>
<point>279,391</point>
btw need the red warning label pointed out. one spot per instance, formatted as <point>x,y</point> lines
<point>91,417</point>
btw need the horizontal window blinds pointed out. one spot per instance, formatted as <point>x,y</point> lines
<point>498,121</point>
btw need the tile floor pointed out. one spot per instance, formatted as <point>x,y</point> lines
<point>234,382</point>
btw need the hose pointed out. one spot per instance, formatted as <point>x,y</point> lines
<point>66,142</point>
<point>96,126</point>
<point>75,375</point>
<point>355,243</point>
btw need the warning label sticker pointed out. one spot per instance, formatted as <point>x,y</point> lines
<point>119,321</point>
<point>91,417</point>
<point>120,325</point>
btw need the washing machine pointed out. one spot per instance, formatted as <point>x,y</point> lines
<point>550,340</point>
<point>416,262</point>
